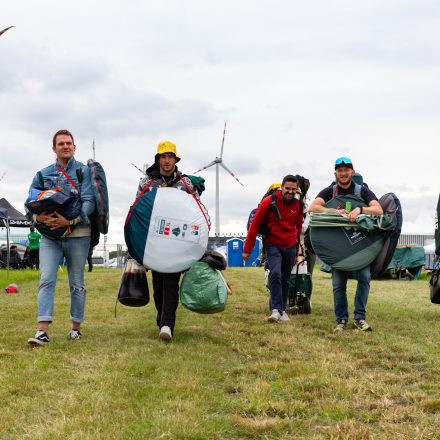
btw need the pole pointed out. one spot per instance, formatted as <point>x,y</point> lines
<point>8,250</point>
<point>105,250</point>
<point>93,147</point>
<point>217,201</point>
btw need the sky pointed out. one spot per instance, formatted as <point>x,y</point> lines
<point>298,84</point>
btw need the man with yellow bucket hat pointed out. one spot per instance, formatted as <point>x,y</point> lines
<point>164,173</point>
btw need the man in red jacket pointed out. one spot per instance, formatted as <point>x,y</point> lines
<point>282,215</point>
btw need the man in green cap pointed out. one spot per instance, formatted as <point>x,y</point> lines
<point>34,248</point>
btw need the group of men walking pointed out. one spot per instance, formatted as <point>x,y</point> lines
<point>281,213</point>
<point>282,239</point>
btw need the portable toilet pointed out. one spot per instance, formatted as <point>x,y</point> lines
<point>234,251</point>
<point>255,254</point>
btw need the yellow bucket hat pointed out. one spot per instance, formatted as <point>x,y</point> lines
<point>166,147</point>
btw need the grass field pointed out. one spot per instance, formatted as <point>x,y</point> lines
<point>226,376</point>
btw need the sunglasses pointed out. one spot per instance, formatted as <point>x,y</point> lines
<point>343,161</point>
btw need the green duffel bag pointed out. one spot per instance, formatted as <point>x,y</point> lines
<point>203,289</point>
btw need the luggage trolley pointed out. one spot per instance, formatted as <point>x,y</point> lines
<point>300,287</point>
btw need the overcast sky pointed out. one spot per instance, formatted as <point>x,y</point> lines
<point>299,84</point>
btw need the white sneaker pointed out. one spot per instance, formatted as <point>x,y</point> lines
<point>165,333</point>
<point>74,335</point>
<point>285,317</point>
<point>275,316</point>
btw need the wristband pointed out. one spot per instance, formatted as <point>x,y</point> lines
<point>362,209</point>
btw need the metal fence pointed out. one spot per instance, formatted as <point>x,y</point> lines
<point>416,239</point>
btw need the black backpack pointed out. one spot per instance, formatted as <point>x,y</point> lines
<point>264,228</point>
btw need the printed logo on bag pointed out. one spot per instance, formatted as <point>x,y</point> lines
<point>176,229</point>
<point>162,226</point>
<point>353,235</point>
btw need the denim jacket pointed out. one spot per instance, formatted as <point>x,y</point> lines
<point>53,177</point>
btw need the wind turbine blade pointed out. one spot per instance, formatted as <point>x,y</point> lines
<point>138,169</point>
<point>230,172</point>
<point>207,166</point>
<point>223,141</point>
<point>4,30</point>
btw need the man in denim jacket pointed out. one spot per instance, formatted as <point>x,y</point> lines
<point>74,247</point>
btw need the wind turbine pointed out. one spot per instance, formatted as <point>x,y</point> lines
<point>218,161</point>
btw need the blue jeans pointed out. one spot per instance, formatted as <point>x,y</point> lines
<point>339,280</point>
<point>75,251</point>
<point>280,262</point>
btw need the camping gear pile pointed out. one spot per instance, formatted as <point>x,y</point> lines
<point>407,263</point>
<point>166,230</point>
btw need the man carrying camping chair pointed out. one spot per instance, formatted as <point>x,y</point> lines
<point>345,185</point>
<point>282,215</point>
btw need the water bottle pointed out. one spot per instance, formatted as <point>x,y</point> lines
<point>348,206</point>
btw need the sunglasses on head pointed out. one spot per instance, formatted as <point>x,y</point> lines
<point>343,161</point>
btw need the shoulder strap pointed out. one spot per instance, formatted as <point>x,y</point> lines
<point>197,201</point>
<point>274,207</point>
<point>67,177</point>
<point>357,190</point>
<point>144,190</point>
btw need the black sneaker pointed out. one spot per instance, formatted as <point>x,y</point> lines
<point>362,325</point>
<point>74,335</point>
<point>341,326</point>
<point>40,338</point>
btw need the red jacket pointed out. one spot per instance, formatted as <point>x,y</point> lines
<point>283,233</point>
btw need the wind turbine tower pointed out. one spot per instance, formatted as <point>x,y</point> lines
<point>218,162</point>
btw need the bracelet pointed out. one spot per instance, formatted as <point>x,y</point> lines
<point>362,209</point>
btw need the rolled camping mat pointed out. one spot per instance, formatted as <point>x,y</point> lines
<point>346,248</point>
<point>166,230</point>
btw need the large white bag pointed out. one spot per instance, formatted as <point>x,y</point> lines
<point>167,230</point>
